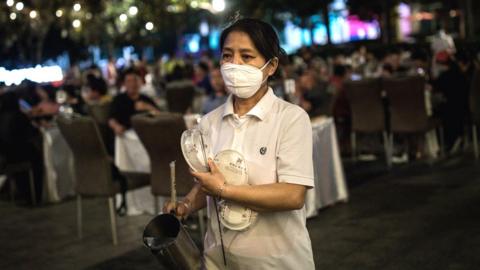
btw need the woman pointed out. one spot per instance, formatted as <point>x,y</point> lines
<point>275,138</point>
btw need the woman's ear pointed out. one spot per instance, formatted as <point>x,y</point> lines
<point>273,66</point>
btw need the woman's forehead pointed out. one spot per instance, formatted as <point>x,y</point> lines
<point>239,41</point>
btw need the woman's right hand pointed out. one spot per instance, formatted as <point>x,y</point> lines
<point>181,211</point>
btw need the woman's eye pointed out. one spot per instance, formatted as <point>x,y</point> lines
<point>226,56</point>
<point>247,57</point>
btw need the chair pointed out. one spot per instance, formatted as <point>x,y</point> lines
<point>408,112</point>
<point>475,110</point>
<point>101,114</point>
<point>161,135</point>
<point>180,97</point>
<point>9,169</point>
<point>368,113</point>
<point>93,171</point>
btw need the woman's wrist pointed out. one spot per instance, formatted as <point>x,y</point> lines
<point>187,204</point>
<point>221,190</point>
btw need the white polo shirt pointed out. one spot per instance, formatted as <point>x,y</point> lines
<point>275,137</point>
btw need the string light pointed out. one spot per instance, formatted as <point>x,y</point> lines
<point>76,23</point>
<point>59,13</point>
<point>149,26</point>
<point>19,6</point>
<point>133,10</point>
<point>218,5</point>
<point>10,3</point>
<point>77,7</point>
<point>13,16</point>
<point>123,17</point>
<point>33,14</point>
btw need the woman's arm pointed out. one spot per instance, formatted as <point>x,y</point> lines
<point>196,198</point>
<point>262,198</point>
<point>194,201</point>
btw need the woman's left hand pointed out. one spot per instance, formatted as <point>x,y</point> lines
<point>212,182</point>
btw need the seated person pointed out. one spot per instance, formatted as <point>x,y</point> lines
<point>19,141</point>
<point>74,99</point>
<point>202,78</point>
<point>96,92</point>
<point>123,107</point>
<point>129,103</point>
<point>219,94</point>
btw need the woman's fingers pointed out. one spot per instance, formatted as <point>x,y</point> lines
<point>213,166</point>
<point>168,207</point>
<point>178,209</point>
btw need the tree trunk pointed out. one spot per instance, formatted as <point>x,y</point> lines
<point>326,20</point>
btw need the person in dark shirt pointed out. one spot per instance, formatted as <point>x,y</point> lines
<point>219,94</point>
<point>20,142</point>
<point>203,78</point>
<point>453,85</point>
<point>123,107</point>
<point>129,103</point>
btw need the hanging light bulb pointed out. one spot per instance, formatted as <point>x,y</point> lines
<point>19,6</point>
<point>133,10</point>
<point>123,17</point>
<point>76,23</point>
<point>218,5</point>
<point>59,13</point>
<point>33,14</point>
<point>149,26</point>
<point>77,7</point>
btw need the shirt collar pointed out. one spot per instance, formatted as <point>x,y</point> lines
<point>260,109</point>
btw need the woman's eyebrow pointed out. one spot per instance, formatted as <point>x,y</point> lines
<point>247,50</point>
<point>242,50</point>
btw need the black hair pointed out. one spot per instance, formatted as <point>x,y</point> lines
<point>262,35</point>
<point>71,90</point>
<point>339,70</point>
<point>130,71</point>
<point>9,102</point>
<point>97,84</point>
<point>203,66</point>
<point>388,68</point>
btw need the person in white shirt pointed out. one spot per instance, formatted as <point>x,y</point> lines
<point>275,139</point>
<point>442,42</point>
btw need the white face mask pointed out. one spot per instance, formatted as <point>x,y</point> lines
<point>242,80</point>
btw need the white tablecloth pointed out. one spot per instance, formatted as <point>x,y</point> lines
<point>58,162</point>
<point>131,156</point>
<point>330,187</point>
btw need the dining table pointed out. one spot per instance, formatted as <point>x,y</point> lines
<point>329,178</point>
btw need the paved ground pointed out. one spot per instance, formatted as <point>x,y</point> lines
<point>416,216</point>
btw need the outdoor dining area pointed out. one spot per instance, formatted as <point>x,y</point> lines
<point>239,135</point>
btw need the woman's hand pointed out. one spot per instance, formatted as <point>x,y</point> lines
<point>212,182</point>
<point>181,209</point>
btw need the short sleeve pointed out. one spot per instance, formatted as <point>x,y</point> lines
<point>294,156</point>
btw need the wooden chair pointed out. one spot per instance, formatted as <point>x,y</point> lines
<point>93,166</point>
<point>160,135</point>
<point>368,113</point>
<point>408,112</point>
<point>180,98</point>
<point>9,169</point>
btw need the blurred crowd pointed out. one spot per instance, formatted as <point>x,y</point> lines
<point>313,78</point>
